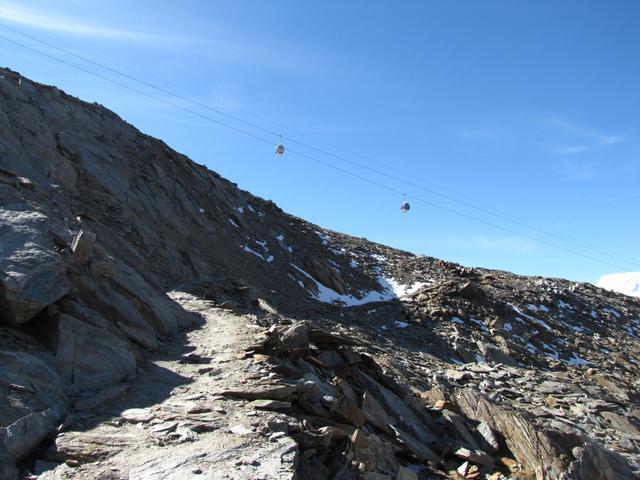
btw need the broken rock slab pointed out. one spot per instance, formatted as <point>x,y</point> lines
<point>32,273</point>
<point>34,405</point>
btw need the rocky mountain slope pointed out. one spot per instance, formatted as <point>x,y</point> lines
<point>158,322</point>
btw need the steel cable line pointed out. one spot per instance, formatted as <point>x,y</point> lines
<point>309,157</point>
<point>323,151</point>
<point>456,212</point>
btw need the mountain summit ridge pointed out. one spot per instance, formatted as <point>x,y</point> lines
<point>383,362</point>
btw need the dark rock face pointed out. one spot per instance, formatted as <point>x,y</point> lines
<point>404,367</point>
<point>33,273</point>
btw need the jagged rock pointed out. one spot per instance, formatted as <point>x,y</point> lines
<point>90,357</point>
<point>30,413</point>
<point>595,463</point>
<point>347,410</point>
<point>89,447</point>
<point>346,389</point>
<point>458,423</point>
<point>296,337</point>
<point>373,452</point>
<point>137,415</point>
<point>269,405</point>
<point>470,291</point>
<point>480,458</point>
<point>490,443</point>
<point>324,338</point>
<point>326,275</point>
<point>621,425</point>
<point>395,407</point>
<point>331,359</point>
<point>82,247</point>
<point>375,414</point>
<point>22,436</point>
<point>531,447</point>
<point>421,451</point>
<point>32,273</point>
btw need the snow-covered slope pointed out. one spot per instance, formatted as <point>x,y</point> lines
<point>627,283</point>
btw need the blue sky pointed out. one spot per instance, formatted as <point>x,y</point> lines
<point>527,109</point>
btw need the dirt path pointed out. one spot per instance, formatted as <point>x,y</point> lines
<point>169,423</point>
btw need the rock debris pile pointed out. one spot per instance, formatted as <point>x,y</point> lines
<point>355,420</point>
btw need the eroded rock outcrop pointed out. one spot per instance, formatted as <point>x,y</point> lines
<point>33,273</point>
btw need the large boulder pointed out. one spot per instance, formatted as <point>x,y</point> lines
<point>326,275</point>
<point>530,446</point>
<point>90,357</point>
<point>595,463</point>
<point>32,272</point>
<point>32,402</point>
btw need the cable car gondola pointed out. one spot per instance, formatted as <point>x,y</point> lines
<point>280,148</point>
<point>405,207</point>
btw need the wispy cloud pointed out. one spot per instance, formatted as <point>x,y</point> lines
<point>572,149</point>
<point>44,20</point>
<point>584,139</point>
<point>216,46</point>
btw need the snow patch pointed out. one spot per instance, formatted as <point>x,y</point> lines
<point>379,258</point>
<point>482,326</point>
<point>576,361</point>
<point>397,288</point>
<point>542,323</point>
<point>565,305</point>
<point>537,308</point>
<point>389,290</point>
<point>612,311</point>
<point>248,250</point>
<point>324,237</point>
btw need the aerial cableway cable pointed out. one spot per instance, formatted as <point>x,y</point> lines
<point>324,151</point>
<point>322,162</point>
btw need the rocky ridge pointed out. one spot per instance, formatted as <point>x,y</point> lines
<point>378,363</point>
